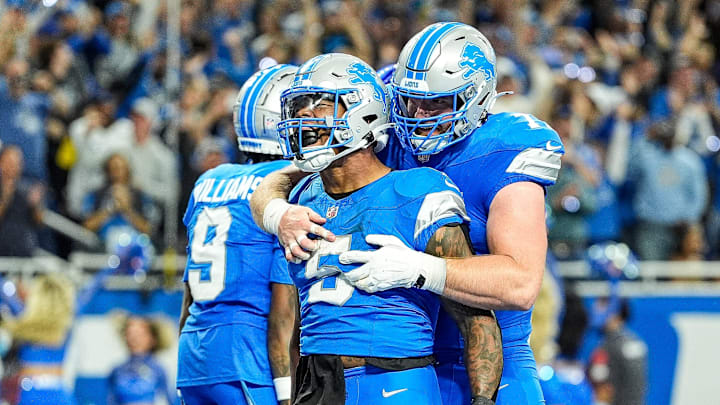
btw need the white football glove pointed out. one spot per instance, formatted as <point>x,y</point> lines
<point>394,265</point>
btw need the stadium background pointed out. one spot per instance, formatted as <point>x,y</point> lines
<point>155,81</point>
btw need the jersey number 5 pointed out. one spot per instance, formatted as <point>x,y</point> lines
<point>213,252</point>
<point>329,288</point>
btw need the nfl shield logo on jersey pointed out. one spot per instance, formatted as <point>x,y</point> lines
<point>332,212</point>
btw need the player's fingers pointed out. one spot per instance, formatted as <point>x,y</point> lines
<point>356,275</point>
<point>366,285</point>
<point>298,252</point>
<point>306,243</point>
<point>355,256</point>
<point>289,257</point>
<point>322,232</point>
<point>384,240</point>
<point>315,217</point>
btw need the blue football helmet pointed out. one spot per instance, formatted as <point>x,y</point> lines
<point>447,62</point>
<point>312,107</point>
<point>257,109</point>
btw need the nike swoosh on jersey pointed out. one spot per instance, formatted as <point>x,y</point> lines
<point>502,386</point>
<point>388,394</point>
<point>550,146</point>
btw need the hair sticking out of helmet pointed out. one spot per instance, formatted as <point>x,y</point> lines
<point>257,110</point>
<point>447,63</point>
<point>336,105</point>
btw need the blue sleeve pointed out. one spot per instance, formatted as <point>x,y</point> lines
<point>300,187</point>
<point>189,209</point>
<point>279,271</point>
<point>506,167</point>
<point>441,205</point>
<point>423,239</point>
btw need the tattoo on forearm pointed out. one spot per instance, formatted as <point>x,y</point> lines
<point>449,241</point>
<point>483,342</point>
<point>483,346</point>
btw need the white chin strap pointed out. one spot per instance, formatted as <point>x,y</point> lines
<point>315,161</point>
<point>381,136</point>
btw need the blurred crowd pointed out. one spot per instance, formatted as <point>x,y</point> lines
<point>92,127</point>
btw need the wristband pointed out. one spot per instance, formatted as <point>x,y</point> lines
<point>274,210</point>
<point>480,400</point>
<point>282,388</point>
<point>432,277</point>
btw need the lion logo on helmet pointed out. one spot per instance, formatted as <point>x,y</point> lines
<point>363,74</point>
<point>473,59</point>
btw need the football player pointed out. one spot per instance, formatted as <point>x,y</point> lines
<point>238,308</point>
<point>443,88</point>
<point>357,347</point>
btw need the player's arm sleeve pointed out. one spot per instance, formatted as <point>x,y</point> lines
<point>532,164</point>
<point>441,207</point>
<point>302,185</point>
<point>279,271</point>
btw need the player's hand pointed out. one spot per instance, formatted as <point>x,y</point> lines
<point>293,230</point>
<point>394,265</point>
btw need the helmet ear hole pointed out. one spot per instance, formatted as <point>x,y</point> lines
<point>370,118</point>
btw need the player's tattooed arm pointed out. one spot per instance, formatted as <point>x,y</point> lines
<point>483,342</point>
<point>185,310</point>
<point>281,325</point>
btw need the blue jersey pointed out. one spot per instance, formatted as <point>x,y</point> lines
<point>338,319</point>
<point>230,266</point>
<point>506,149</point>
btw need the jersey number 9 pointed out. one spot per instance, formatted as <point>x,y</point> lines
<point>214,253</point>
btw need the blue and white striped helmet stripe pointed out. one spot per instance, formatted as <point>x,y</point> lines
<point>423,49</point>
<point>250,102</point>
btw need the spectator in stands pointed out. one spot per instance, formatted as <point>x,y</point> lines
<point>118,206</point>
<point>340,30</point>
<point>23,114</point>
<point>154,165</point>
<point>670,186</point>
<point>537,99</point>
<point>95,137</point>
<point>114,68</point>
<point>20,206</point>
<point>141,379</point>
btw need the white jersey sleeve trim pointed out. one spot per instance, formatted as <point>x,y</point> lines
<point>437,206</point>
<point>536,162</point>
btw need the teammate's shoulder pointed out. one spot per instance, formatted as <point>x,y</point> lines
<point>520,131</point>
<point>420,181</point>
<point>305,188</point>
<point>269,166</point>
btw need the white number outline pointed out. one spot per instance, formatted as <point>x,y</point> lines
<point>343,290</point>
<point>214,253</point>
